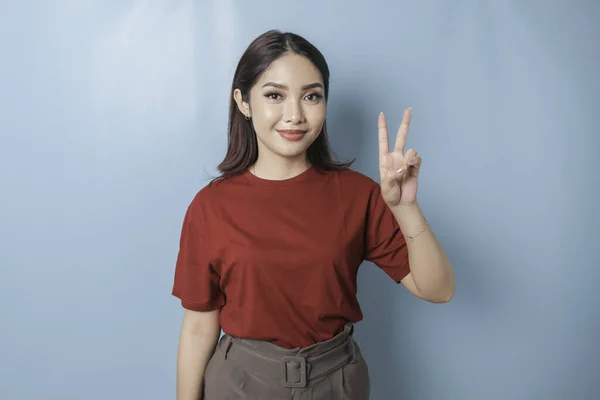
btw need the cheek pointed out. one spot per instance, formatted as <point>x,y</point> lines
<point>317,115</point>
<point>270,115</point>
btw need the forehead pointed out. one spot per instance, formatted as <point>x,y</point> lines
<point>291,70</point>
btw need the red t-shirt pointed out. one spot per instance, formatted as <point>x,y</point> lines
<point>281,257</point>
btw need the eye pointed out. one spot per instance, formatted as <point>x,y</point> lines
<point>314,97</point>
<point>273,96</point>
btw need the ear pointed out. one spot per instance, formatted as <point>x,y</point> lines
<point>242,105</point>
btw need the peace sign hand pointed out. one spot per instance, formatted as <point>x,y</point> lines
<point>399,171</point>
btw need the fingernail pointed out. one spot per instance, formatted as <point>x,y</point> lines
<point>401,170</point>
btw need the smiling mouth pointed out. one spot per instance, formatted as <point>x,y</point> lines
<point>291,131</point>
<point>291,135</point>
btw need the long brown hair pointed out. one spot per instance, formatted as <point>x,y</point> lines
<point>242,146</point>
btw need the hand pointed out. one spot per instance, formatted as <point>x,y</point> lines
<point>399,170</point>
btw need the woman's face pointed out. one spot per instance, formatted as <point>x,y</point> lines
<point>287,106</point>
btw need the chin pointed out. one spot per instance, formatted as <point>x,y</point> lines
<point>292,152</point>
<point>292,149</point>
<point>288,149</point>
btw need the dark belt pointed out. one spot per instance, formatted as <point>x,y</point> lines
<point>294,371</point>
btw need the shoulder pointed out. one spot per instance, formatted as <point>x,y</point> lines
<point>210,196</point>
<point>357,180</point>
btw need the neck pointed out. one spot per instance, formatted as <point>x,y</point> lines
<point>279,168</point>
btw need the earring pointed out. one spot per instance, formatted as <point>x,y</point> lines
<point>247,117</point>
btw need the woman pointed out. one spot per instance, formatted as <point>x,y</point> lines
<point>270,250</point>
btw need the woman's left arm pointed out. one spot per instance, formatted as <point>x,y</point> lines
<point>431,277</point>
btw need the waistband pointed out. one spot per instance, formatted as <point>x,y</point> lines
<point>293,367</point>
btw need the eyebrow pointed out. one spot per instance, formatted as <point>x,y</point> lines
<point>305,87</point>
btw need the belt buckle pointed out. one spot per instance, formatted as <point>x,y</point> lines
<point>301,361</point>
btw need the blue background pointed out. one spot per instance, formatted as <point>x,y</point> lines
<point>113,115</point>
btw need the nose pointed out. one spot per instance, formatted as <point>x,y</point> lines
<point>293,113</point>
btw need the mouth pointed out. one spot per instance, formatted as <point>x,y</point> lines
<point>291,135</point>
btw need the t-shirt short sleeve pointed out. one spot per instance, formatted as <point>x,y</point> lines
<point>385,243</point>
<point>196,282</point>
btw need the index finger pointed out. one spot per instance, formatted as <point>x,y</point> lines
<point>384,144</point>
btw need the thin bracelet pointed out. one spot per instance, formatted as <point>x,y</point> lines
<point>412,238</point>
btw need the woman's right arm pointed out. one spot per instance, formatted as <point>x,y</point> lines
<point>200,333</point>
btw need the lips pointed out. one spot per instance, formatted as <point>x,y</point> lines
<point>291,135</point>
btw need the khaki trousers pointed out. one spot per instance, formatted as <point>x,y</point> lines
<point>253,370</point>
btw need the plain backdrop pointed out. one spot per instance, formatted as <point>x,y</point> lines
<point>113,115</point>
